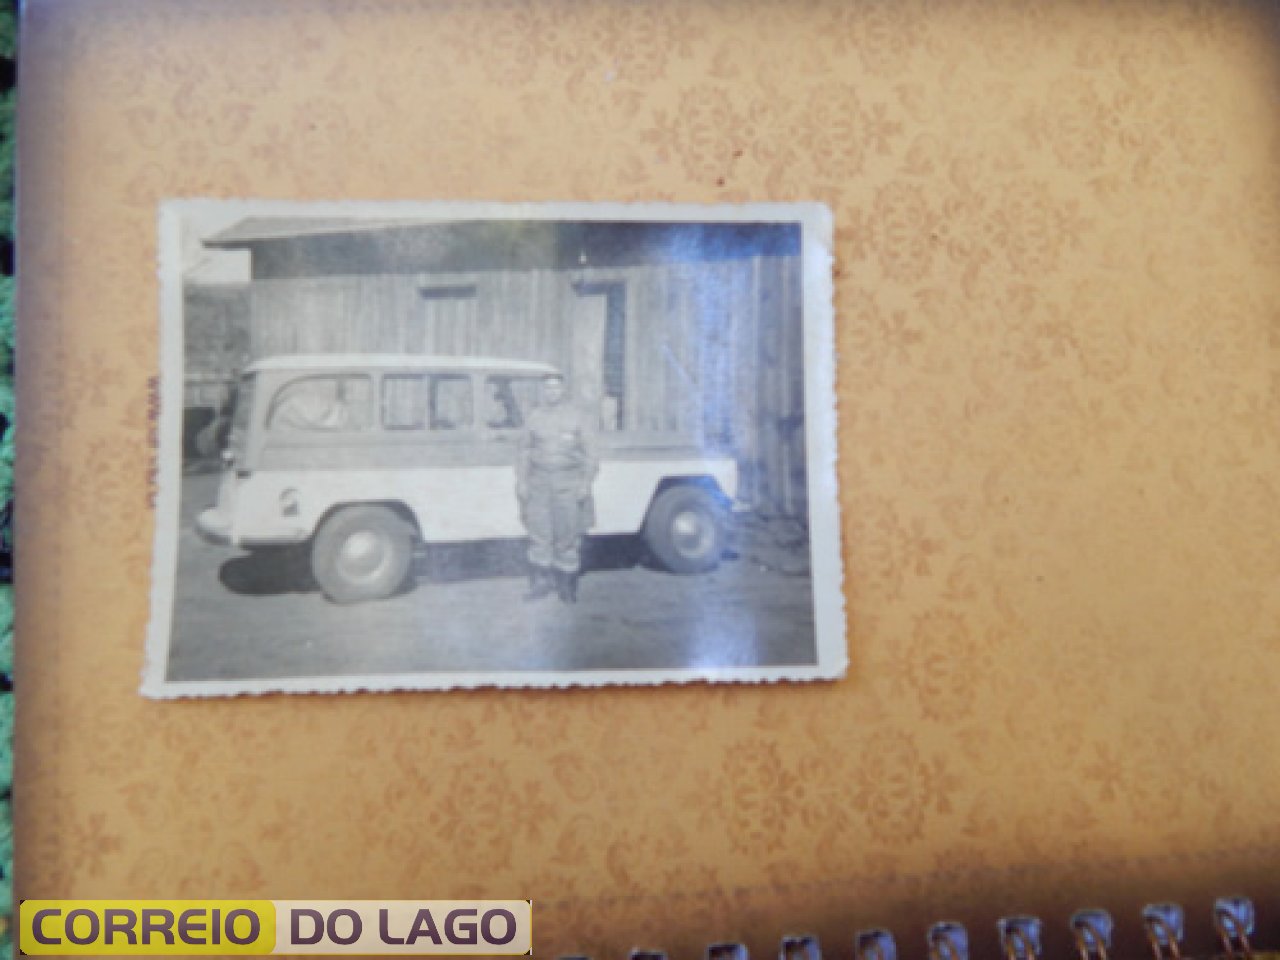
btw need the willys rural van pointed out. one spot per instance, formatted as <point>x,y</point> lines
<point>362,459</point>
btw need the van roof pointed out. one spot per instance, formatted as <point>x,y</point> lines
<point>396,361</point>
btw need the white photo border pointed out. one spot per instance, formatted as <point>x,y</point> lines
<point>819,379</point>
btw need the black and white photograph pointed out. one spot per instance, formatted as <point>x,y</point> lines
<point>433,446</point>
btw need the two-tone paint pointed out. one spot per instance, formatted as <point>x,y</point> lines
<point>455,485</point>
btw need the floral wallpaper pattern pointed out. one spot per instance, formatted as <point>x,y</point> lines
<point>1058,325</point>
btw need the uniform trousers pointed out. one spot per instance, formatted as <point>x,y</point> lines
<point>554,517</point>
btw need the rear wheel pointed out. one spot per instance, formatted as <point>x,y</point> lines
<point>685,529</point>
<point>362,553</point>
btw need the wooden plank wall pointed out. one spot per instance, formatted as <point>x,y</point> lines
<point>713,350</point>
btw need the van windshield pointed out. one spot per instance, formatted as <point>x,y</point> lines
<point>241,402</point>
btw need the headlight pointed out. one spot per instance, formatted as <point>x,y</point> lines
<point>289,502</point>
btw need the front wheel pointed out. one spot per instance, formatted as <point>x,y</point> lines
<point>685,529</point>
<point>362,553</point>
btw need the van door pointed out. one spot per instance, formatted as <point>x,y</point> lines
<point>461,485</point>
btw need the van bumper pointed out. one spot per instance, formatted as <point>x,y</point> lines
<point>213,527</point>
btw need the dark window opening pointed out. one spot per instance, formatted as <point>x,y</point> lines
<point>458,291</point>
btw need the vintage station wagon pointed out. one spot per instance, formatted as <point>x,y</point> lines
<point>361,459</point>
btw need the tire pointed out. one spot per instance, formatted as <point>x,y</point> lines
<point>362,553</point>
<point>685,529</point>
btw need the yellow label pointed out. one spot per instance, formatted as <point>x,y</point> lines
<point>146,927</point>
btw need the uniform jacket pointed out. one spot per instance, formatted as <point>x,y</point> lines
<point>558,440</point>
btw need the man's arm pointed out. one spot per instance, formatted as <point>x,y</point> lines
<point>524,450</point>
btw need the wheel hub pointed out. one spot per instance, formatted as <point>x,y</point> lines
<point>362,555</point>
<point>692,532</point>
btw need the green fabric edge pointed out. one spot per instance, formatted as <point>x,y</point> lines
<point>8,137</point>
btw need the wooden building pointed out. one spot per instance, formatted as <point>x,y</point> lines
<point>676,330</point>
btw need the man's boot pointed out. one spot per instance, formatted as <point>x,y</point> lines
<point>539,583</point>
<point>562,586</point>
<point>567,585</point>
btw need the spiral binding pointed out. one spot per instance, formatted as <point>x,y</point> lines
<point>1020,937</point>
<point>1233,919</point>
<point>1091,929</point>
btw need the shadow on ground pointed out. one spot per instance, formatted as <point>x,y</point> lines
<point>286,570</point>
<point>270,572</point>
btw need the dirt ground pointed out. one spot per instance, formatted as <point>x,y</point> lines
<point>242,616</point>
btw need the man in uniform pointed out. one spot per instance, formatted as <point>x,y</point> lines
<point>555,466</point>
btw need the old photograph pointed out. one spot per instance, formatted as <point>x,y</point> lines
<point>429,446</point>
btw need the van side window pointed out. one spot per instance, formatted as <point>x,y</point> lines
<point>450,402</point>
<point>325,403</point>
<point>426,402</point>
<point>508,401</point>
<point>404,401</point>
